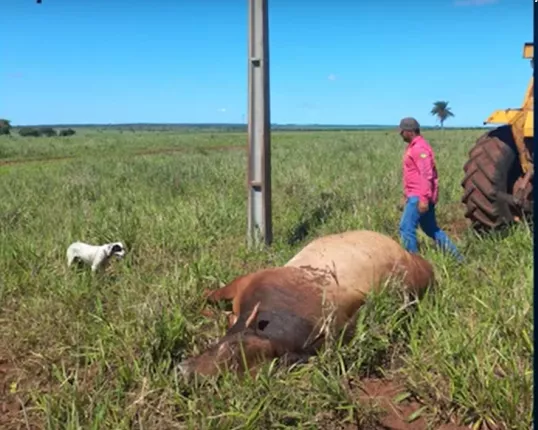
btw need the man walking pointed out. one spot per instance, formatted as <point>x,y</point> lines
<point>421,191</point>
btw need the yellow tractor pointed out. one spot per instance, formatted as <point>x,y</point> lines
<point>498,175</point>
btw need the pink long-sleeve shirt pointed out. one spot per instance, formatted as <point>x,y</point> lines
<point>419,171</point>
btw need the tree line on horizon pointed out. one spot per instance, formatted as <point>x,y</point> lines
<point>440,109</point>
<point>6,127</point>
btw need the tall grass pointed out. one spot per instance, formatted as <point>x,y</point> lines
<point>99,352</point>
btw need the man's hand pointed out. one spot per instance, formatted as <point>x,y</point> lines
<point>423,207</point>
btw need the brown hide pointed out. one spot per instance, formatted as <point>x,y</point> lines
<point>281,311</point>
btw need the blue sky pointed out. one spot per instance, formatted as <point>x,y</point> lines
<point>339,62</point>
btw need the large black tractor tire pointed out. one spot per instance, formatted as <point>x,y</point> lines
<point>493,167</point>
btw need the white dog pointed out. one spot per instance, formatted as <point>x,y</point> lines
<point>96,256</point>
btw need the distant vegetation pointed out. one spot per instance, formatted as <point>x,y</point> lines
<point>232,128</point>
<point>44,131</point>
<point>442,111</point>
<point>67,132</point>
<point>5,127</point>
<point>34,131</point>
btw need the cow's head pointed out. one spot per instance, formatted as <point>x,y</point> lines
<point>240,349</point>
<point>256,337</point>
<point>279,310</point>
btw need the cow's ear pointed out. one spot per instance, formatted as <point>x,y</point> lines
<point>229,291</point>
<point>252,317</point>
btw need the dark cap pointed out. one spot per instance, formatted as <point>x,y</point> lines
<point>409,124</point>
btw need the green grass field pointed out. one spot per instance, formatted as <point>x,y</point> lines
<point>78,352</point>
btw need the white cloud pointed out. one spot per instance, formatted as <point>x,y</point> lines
<point>474,2</point>
<point>222,110</point>
<point>331,77</point>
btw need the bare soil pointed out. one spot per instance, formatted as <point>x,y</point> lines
<point>13,406</point>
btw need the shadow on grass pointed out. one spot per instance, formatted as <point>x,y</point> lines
<point>316,214</point>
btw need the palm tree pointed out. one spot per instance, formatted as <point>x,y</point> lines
<point>441,111</point>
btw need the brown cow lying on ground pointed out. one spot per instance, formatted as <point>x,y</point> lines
<point>284,312</point>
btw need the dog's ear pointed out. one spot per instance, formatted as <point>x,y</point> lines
<point>108,249</point>
<point>116,248</point>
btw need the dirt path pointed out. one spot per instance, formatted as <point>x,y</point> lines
<point>156,151</point>
<point>33,160</point>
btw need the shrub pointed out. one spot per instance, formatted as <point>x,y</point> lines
<point>37,132</point>
<point>68,132</point>
<point>47,131</point>
<point>29,131</point>
<point>5,127</point>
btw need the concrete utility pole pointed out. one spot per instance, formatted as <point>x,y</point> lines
<point>260,226</point>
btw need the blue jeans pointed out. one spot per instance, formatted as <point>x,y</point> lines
<point>412,218</point>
